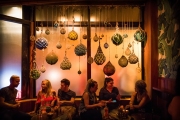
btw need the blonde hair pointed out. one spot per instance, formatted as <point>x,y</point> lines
<point>48,85</point>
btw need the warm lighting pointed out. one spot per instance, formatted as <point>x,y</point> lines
<point>53,74</point>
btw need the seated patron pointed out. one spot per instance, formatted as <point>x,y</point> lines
<point>66,98</point>
<point>111,96</point>
<point>89,108</point>
<point>8,104</point>
<point>46,99</point>
<point>174,106</point>
<point>140,100</point>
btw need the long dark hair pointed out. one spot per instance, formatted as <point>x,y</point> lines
<point>106,80</point>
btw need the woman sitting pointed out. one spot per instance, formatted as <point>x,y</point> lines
<point>46,99</point>
<point>111,96</point>
<point>140,100</point>
<point>89,108</point>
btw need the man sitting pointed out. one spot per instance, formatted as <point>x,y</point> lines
<point>66,98</point>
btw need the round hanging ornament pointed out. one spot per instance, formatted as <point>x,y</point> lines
<point>90,60</point>
<point>47,31</point>
<point>41,43</point>
<point>128,51</point>
<point>133,59</point>
<point>62,31</point>
<point>95,38</point>
<point>35,74</point>
<point>84,36</point>
<point>42,69</point>
<point>58,45</point>
<point>140,35</point>
<point>123,62</point>
<point>109,69</point>
<point>117,39</point>
<point>56,24</point>
<point>73,35</point>
<point>80,50</point>
<point>106,45</point>
<point>51,58</point>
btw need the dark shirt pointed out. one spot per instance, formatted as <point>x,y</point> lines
<point>66,95</point>
<point>92,100</point>
<point>9,95</point>
<point>104,94</point>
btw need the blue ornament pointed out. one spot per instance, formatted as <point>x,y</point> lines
<point>41,43</point>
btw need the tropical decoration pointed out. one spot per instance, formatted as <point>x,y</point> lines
<point>99,57</point>
<point>47,31</point>
<point>35,73</point>
<point>127,51</point>
<point>51,58</point>
<point>109,69</point>
<point>84,36</point>
<point>41,43</point>
<point>80,50</point>
<point>116,39</point>
<point>65,64</point>
<point>123,62</point>
<point>133,59</point>
<point>58,45</point>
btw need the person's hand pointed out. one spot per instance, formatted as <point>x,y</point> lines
<point>101,104</point>
<point>60,103</point>
<point>131,107</point>
<point>17,105</point>
<point>118,97</point>
<point>110,100</point>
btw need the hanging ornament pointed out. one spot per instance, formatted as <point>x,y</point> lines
<point>65,64</point>
<point>123,62</point>
<point>117,39</point>
<point>95,38</point>
<point>128,51</point>
<point>99,57</point>
<point>102,35</point>
<point>138,69</point>
<point>56,24</point>
<point>80,50</point>
<point>41,43</point>
<point>84,36</point>
<point>125,36</point>
<point>47,31</point>
<point>79,72</point>
<point>109,69</point>
<point>58,45</point>
<point>42,69</point>
<point>106,45</point>
<point>73,35</point>
<point>90,60</point>
<point>129,45</point>
<point>140,35</point>
<point>133,59</point>
<point>62,31</point>
<point>37,28</point>
<point>116,55</point>
<point>35,73</point>
<point>51,58</point>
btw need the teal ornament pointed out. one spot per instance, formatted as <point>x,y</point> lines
<point>35,74</point>
<point>80,50</point>
<point>123,62</point>
<point>47,31</point>
<point>41,43</point>
<point>140,35</point>
<point>117,39</point>
<point>56,24</point>
<point>51,58</point>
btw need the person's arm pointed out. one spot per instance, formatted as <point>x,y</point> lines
<point>144,100</point>
<point>174,108</point>
<point>118,97</point>
<point>68,102</point>
<point>8,105</point>
<point>132,100</point>
<point>86,102</point>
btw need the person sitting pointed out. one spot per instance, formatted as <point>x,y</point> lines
<point>46,99</point>
<point>140,100</point>
<point>174,106</point>
<point>89,108</point>
<point>8,104</point>
<point>66,98</point>
<point>111,96</point>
